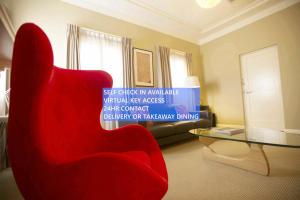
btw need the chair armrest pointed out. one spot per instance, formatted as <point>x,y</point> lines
<point>135,138</point>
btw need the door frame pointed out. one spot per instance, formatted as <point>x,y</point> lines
<point>242,82</point>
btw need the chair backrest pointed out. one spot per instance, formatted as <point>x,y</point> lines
<point>32,65</point>
<point>69,116</point>
<point>49,111</point>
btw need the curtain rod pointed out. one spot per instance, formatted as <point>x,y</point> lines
<point>178,51</point>
<point>92,30</point>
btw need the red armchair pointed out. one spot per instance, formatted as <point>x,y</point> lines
<point>57,148</point>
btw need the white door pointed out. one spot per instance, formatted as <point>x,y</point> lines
<point>262,89</point>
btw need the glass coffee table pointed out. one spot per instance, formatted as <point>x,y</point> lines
<point>244,150</point>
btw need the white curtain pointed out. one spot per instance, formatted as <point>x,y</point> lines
<point>164,57</point>
<point>189,63</point>
<point>178,66</point>
<point>73,55</point>
<point>2,92</point>
<point>128,80</point>
<point>4,102</point>
<point>100,51</point>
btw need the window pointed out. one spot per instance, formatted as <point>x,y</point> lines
<point>178,67</point>
<point>4,91</point>
<point>100,51</point>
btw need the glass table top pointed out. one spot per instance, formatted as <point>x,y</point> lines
<point>256,135</point>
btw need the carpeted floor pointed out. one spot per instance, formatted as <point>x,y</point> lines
<point>193,178</point>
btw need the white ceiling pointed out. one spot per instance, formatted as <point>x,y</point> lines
<point>184,18</point>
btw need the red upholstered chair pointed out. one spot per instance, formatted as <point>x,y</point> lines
<point>57,148</point>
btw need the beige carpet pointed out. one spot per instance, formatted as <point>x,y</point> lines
<point>193,178</point>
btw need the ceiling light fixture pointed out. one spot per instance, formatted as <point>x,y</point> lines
<point>208,3</point>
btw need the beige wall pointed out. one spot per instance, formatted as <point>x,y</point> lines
<point>220,71</point>
<point>53,16</point>
<point>221,65</point>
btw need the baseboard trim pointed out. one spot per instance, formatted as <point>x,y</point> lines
<point>293,131</point>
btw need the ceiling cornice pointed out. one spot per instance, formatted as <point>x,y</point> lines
<point>162,13</point>
<point>192,32</point>
<point>249,8</point>
<point>240,24</point>
<point>110,11</point>
<point>225,30</point>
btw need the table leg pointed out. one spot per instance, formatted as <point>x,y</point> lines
<point>255,160</point>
